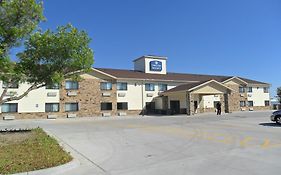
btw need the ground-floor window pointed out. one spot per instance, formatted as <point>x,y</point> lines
<point>250,103</point>
<point>9,107</point>
<point>242,103</point>
<point>106,106</point>
<point>122,106</point>
<point>52,107</point>
<point>266,103</point>
<point>70,107</point>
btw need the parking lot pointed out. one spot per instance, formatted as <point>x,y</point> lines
<point>232,144</point>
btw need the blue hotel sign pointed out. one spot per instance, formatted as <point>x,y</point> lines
<point>155,66</point>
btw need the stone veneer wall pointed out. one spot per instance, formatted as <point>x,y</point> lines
<point>235,97</point>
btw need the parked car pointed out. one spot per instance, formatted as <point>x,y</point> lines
<point>276,116</point>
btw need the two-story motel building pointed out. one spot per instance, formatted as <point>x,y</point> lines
<point>148,89</point>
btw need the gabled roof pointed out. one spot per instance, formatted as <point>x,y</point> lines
<point>178,77</point>
<point>192,86</point>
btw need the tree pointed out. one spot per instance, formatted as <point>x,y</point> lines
<point>279,94</point>
<point>47,58</point>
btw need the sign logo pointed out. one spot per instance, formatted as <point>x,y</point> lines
<point>155,66</point>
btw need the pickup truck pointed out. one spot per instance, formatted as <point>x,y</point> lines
<point>276,117</point>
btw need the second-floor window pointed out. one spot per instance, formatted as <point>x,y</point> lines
<point>71,85</point>
<point>162,87</point>
<point>250,89</point>
<point>121,86</point>
<point>265,89</point>
<point>149,87</point>
<point>241,89</point>
<point>106,86</point>
<point>10,85</point>
<point>52,86</point>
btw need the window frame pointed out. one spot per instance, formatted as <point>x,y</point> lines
<point>148,87</point>
<point>53,86</point>
<point>242,105</point>
<point>11,86</point>
<point>58,107</point>
<point>252,102</point>
<point>9,107</point>
<point>248,89</point>
<point>71,110</point>
<point>106,89</point>
<point>265,90</point>
<point>266,103</point>
<point>240,88</point>
<point>120,84</point>
<point>71,86</point>
<point>122,103</point>
<point>161,85</point>
<point>101,106</point>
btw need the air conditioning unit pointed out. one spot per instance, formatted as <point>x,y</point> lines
<point>71,115</point>
<point>106,114</point>
<point>149,94</point>
<point>11,93</point>
<point>106,94</point>
<point>249,95</point>
<point>122,113</point>
<point>9,117</point>
<point>121,94</point>
<point>243,109</point>
<point>51,94</point>
<point>52,116</point>
<point>241,95</point>
<point>251,109</point>
<point>71,93</point>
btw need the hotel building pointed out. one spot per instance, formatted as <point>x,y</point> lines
<point>148,89</point>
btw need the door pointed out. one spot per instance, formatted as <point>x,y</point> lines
<point>175,107</point>
<point>195,106</point>
<point>150,107</point>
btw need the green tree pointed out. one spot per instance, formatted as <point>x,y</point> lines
<point>48,57</point>
<point>279,94</point>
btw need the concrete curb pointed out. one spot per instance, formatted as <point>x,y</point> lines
<point>58,169</point>
<point>54,170</point>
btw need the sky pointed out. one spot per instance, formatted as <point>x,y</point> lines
<point>218,37</point>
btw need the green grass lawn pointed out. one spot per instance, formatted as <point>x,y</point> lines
<point>28,151</point>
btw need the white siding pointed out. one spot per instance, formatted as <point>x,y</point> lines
<point>258,96</point>
<point>35,100</point>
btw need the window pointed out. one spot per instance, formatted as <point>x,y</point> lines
<point>122,106</point>
<point>162,87</point>
<point>51,107</point>
<point>250,89</point>
<point>265,89</point>
<point>266,103</point>
<point>242,103</point>
<point>106,106</point>
<point>71,85</point>
<point>149,87</point>
<point>11,86</point>
<point>53,86</point>
<point>250,103</point>
<point>9,107</point>
<point>121,86</point>
<point>70,107</point>
<point>241,89</point>
<point>105,86</point>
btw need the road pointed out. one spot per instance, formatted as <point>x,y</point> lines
<point>233,144</point>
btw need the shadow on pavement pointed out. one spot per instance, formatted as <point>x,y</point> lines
<point>270,124</point>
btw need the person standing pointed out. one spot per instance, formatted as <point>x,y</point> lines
<point>218,106</point>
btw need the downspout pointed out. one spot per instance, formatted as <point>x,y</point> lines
<point>142,100</point>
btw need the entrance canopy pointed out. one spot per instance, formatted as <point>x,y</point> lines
<point>207,87</point>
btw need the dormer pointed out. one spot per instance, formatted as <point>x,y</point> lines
<point>151,64</point>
